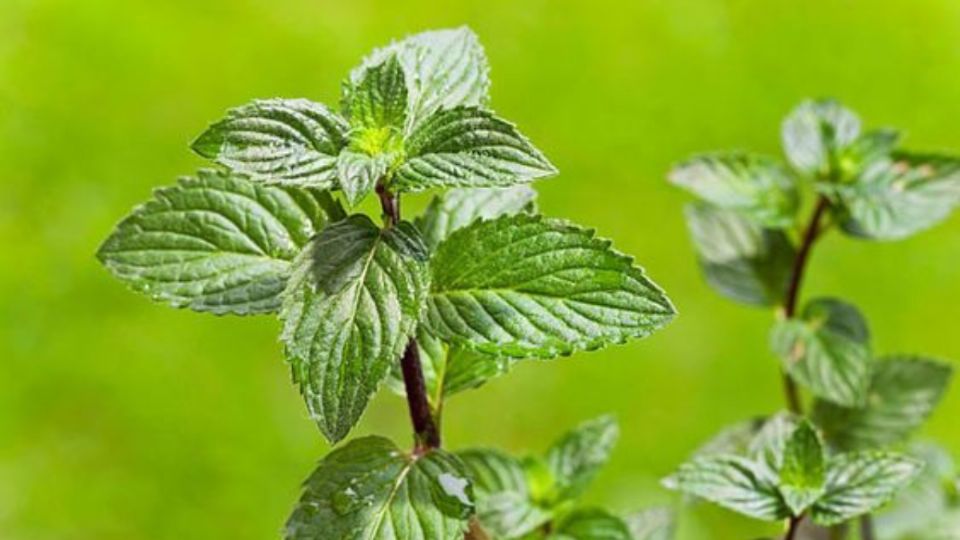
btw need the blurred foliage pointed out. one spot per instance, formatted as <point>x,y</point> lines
<point>123,419</point>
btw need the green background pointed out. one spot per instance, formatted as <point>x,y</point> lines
<point>121,419</point>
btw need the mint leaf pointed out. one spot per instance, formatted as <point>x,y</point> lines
<point>740,259</point>
<point>802,474</point>
<point>368,489</point>
<point>457,208</point>
<point>755,186</point>
<point>858,483</point>
<point>505,506</point>
<point>468,147</point>
<point>578,455</point>
<point>770,443</point>
<point>869,147</point>
<point>349,310</point>
<point>287,141</point>
<point>526,286</point>
<point>733,482</point>
<point>926,499</point>
<point>827,350</point>
<point>898,196</point>
<point>652,524</point>
<point>903,391</point>
<point>378,99</point>
<point>444,69</point>
<point>591,524</point>
<point>816,132</point>
<point>358,173</point>
<point>217,242</point>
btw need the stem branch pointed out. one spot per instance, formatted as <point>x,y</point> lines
<point>426,431</point>
<point>792,527</point>
<point>866,528</point>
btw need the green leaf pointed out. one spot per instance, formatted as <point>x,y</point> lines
<point>816,132</point>
<point>652,524</point>
<point>868,148</point>
<point>358,173</point>
<point>903,392</point>
<point>349,311</point>
<point>733,482</point>
<point>925,500</point>
<point>770,443</point>
<point>860,482</point>
<point>457,208</point>
<point>444,69</point>
<point>378,99</point>
<point>579,454</point>
<point>827,350</point>
<point>527,286</point>
<point>898,196</point>
<point>802,474</point>
<point>757,187</point>
<point>505,506</point>
<point>217,242</point>
<point>740,259</point>
<point>591,524</point>
<point>286,141</point>
<point>468,147</point>
<point>369,489</point>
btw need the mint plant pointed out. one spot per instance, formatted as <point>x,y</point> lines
<point>843,455</point>
<point>434,306</point>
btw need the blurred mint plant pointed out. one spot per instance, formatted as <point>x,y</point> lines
<point>436,305</point>
<point>847,458</point>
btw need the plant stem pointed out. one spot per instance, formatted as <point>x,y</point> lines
<point>866,528</point>
<point>426,431</point>
<point>792,527</point>
<point>810,235</point>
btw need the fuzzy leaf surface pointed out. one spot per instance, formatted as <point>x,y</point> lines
<point>859,482</point>
<point>285,141</point>
<point>526,286</point>
<point>217,242</point>
<point>368,489</point>
<point>740,259</point>
<point>351,306</point>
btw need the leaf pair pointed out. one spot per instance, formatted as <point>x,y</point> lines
<point>368,488</point>
<point>412,117</point>
<point>786,472</point>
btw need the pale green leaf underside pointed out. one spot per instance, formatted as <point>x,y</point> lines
<point>899,196</point>
<point>576,457</point>
<point>217,242</point>
<point>468,147</point>
<point>457,208</point>
<point>443,69</point>
<point>358,173</point>
<point>739,258</point>
<point>369,490</point>
<point>860,482</point>
<point>756,187</point>
<point>815,132</point>
<point>827,350</point>
<point>652,524</point>
<point>527,286</point>
<point>504,504</point>
<point>592,524</point>
<point>903,392</point>
<point>286,141</point>
<point>734,482</point>
<point>349,310</point>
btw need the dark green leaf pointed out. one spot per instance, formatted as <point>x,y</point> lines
<point>816,132</point>
<point>591,524</point>
<point>527,286</point>
<point>734,482</point>
<point>505,505</point>
<point>288,141</point>
<point>740,259</point>
<point>802,473</point>
<point>652,524</point>
<point>827,350</point>
<point>378,99</point>
<point>576,457</point>
<point>218,242</point>
<point>468,147</point>
<point>754,186</point>
<point>903,392</point>
<point>860,482</point>
<point>369,489</point>
<point>349,310</point>
<point>457,208</point>
<point>898,196</point>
